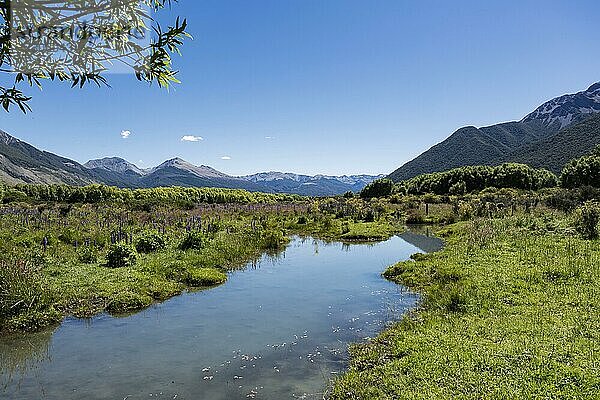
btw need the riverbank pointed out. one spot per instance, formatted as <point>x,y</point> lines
<point>509,310</point>
<point>55,259</point>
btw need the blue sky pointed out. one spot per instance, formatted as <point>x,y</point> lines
<point>335,86</point>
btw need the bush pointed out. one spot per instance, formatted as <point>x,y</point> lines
<point>14,196</point>
<point>24,303</point>
<point>587,218</point>
<point>302,220</point>
<point>467,179</point>
<point>150,243</point>
<point>584,171</point>
<point>273,240</point>
<point>192,241</point>
<point>205,277</point>
<point>369,216</point>
<point>121,256</point>
<point>378,188</point>
<point>87,255</point>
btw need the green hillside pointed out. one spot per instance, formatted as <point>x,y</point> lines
<point>554,152</point>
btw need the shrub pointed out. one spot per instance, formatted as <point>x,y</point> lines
<point>24,303</point>
<point>378,188</point>
<point>150,243</point>
<point>584,171</point>
<point>120,256</point>
<point>193,241</point>
<point>369,216</point>
<point>273,240</point>
<point>87,255</point>
<point>302,220</point>
<point>14,196</point>
<point>205,277</point>
<point>587,218</point>
<point>458,188</point>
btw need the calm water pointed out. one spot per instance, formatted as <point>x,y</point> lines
<point>278,329</point>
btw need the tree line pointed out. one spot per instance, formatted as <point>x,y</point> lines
<point>165,195</point>
<point>579,172</point>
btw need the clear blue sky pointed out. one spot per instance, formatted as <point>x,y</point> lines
<point>335,86</point>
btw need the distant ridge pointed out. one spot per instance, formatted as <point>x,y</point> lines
<point>317,185</point>
<point>494,144</point>
<point>23,163</point>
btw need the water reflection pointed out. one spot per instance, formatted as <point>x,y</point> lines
<point>278,329</point>
<point>22,353</point>
<point>421,236</point>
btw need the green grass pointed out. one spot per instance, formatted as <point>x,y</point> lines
<point>509,310</point>
<point>71,276</point>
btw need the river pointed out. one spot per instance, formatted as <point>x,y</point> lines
<point>278,329</point>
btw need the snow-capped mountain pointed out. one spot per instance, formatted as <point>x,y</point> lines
<point>566,110</point>
<point>22,163</point>
<point>492,145</point>
<point>317,185</point>
<point>182,165</point>
<point>115,164</point>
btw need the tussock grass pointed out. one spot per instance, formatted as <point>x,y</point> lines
<point>509,310</point>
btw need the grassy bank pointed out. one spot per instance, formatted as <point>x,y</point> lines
<point>58,259</point>
<point>509,310</point>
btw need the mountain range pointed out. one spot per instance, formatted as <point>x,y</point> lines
<point>21,162</point>
<point>558,130</point>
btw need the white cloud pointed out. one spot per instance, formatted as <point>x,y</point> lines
<point>190,138</point>
<point>225,158</point>
<point>269,137</point>
<point>125,134</point>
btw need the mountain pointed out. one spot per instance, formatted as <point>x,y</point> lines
<point>115,164</point>
<point>567,110</point>
<point>22,163</point>
<point>318,185</point>
<point>114,171</point>
<point>492,145</point>
<point>178,172</point>
<point>555,151</point>
<point>175,172</point>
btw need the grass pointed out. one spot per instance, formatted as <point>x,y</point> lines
<point>183,249</point>
<point>509,310</point>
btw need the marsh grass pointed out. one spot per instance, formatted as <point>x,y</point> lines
<point>81,260</point>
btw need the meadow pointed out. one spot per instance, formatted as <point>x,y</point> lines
<point>508,309</point>
<point>83,255</point>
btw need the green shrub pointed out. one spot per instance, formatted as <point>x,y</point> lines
<point>273,240</point>
<point>87,255</point>
<point>193,241</point>
<point>369,216</point>
<point>584,171</point>
<point>121,256</point>
<point>23,298</point>
<point>587,218</point>
<point>14,196</point>
<point>205,277</point>
<point>150,243</point>
<point>378,188</point>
